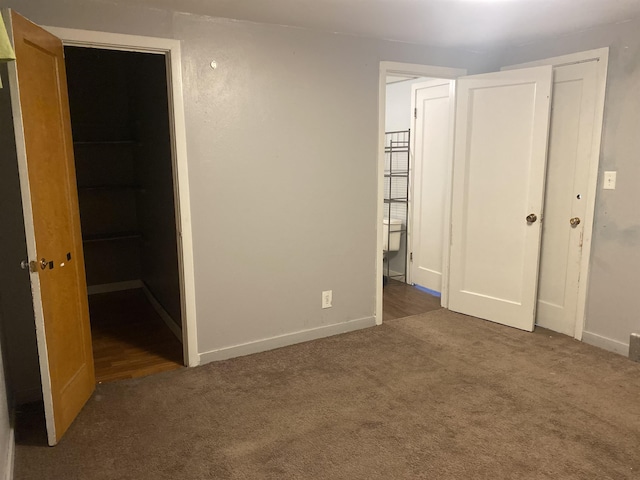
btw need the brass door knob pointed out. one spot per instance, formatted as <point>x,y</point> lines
<point>574,222</point>
<point>531,218</point>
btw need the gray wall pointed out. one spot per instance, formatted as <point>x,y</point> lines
<point>156,211</point>
<point>16,307</point>
<point>613,307</point>
<point>282,158</point>
<point>282,145</point>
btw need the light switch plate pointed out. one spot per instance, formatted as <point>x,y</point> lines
<point>609,181</point>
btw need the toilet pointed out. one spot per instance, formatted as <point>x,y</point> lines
<point>391,240</point>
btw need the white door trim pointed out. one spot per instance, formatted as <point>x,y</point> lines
<point>389,68</point>
<point>171,49</point>
<point>601,56</point>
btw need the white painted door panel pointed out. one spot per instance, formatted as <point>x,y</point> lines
<point>502,126</point>
<point>432,159</point>
<point>570,153</point>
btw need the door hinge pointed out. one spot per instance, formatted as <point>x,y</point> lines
<point>415,113</point>
<point>411,257</point>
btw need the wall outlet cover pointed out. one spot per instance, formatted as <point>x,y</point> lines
<point>327,298</point>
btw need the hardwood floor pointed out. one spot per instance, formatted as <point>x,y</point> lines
<point>129,338</point>
<point>402,300</point>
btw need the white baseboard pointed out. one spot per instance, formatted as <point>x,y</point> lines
<point>114,287</point>
<point>606,343</point>
<point>11,453</point>
<point>285,340</point>
<point>395,275</point>
<point>166,318</point>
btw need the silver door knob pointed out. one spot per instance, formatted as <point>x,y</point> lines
<point>574,222</point>
<point>531,218</point>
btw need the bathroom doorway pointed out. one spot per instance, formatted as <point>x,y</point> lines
<point>397,296</point>
<point>123,157</point>
<point>413,208</point>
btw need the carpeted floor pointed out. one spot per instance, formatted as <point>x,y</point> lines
<point>434,396</point>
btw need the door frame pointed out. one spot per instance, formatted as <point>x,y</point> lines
<point>600,55</point>
<point>171,50</point>
<point>390,68</point>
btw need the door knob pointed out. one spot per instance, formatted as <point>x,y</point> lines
<point>574,222</point>
<point>531,218</point>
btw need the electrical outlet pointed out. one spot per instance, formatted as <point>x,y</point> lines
<point>609,181</point>
<point>327,298</point>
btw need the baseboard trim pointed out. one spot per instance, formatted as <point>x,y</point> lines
<point>11,454</point>
<point>166,318</point>
<point>393,274</point>
<point>114,287</point>
<point>285,340</point>
<point>606,343</point>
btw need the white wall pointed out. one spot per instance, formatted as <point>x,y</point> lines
<point>398,105</point>
<point>282,146</point>
<point>613,303</point>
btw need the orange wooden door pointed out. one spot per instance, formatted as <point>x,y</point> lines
<point>58,281</point>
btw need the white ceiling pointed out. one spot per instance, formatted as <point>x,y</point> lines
<point>459,23</point>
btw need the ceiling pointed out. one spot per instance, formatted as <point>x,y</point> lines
<point>471,24</point>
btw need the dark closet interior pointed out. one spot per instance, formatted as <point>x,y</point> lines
<point>122,147</point>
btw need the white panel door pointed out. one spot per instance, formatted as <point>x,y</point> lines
<point>570,154</point>
<point>433,103</point>
<point>501,136</point>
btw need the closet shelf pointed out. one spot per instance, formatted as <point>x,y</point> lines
<point>396,174</point>
<point>108,237</point>
<point>396,150</point>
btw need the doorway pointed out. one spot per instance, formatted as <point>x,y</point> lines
<point>579,83</point>
<point>123,159</point>
<point>399,298</point>
<point>402,295</point>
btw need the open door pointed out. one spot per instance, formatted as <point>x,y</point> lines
<point>432,103</point>
<point>501,136</point>
<point>52,222</point>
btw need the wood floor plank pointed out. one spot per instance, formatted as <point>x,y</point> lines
<point>402,300</point>
<point>130,340</point>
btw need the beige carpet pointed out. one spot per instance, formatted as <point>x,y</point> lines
<point>435,396</point>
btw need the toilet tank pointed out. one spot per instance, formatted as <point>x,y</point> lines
<point>391,240</point>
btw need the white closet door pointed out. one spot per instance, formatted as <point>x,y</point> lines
<point>432,159</point>
<point>501,136</point>
<point>570,145</point>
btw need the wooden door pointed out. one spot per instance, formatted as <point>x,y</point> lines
<point>52,222</point>
<point>502,127</point>
<point>432,102</point>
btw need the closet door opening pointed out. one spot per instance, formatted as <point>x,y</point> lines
<point>122,145</point>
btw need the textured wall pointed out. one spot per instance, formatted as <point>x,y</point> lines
<point>282,145</point>
<point>16,307</point>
